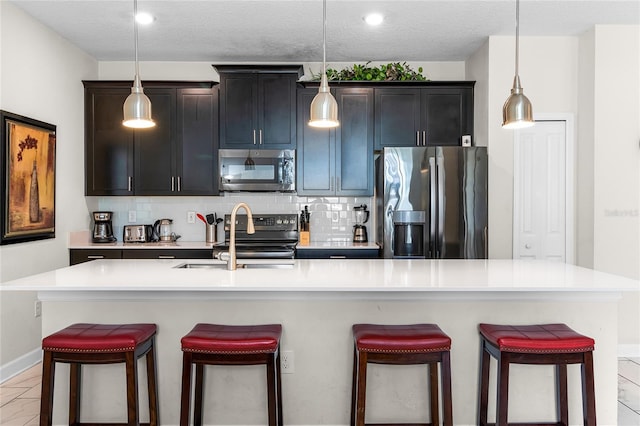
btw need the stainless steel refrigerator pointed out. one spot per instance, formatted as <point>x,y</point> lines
<point>431,202</point>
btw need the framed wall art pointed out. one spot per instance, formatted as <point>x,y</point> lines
<point>28,161</point>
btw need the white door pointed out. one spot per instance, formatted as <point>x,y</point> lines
<point>542,221</point>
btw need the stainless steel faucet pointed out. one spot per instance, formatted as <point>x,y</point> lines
<point>231,262</point>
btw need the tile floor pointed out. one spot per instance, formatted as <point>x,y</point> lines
<point>20,396</point>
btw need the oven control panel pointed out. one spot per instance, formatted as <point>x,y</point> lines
<point>270,222</point>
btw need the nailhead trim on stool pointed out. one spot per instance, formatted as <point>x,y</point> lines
<point>81,344</point>
<point>214,344</point>
<point>543,344</point>
<point>401,345</point>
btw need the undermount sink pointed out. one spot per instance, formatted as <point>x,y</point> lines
<point>239,266</point>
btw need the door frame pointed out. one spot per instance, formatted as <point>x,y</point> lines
<point>570,190</point>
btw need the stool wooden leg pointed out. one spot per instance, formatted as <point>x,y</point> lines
<point>185,394</point>
<point>271,390</point>
<point>75,383</point>
<point>46,393</point>
<point>562,404</point>
<point>433,391</point>
<point>132,389</point>
<point>279,389</point>
<point>354,387</point>
<point>588,390</point>
<point>198,395</point>
<point>483,396</point>
<point>502,406</point>
<point>447,400</point>
<point>361,388</point>
<point>152,386</point>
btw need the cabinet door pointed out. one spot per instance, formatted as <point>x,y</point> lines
<point>155,148</point>
<point>109,145</point>
<point>197,129</point>
<point>447,114</point>
<point>397,113</point>
<point>354,142</point>
<point>315,153</point>
<point>276,111</point>
<point>238,116</point>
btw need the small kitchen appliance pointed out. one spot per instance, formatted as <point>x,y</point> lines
<point>102,228</point>
<point>137,234</point>
<point>361,216</point>
<point>163,231</point>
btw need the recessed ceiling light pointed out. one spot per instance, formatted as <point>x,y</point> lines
<point>144,18</point>
<point>374,19</point>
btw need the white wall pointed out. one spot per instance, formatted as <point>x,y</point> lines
<point>616,165</point>
<point>40,78</point>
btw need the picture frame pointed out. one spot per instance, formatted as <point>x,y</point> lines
<point>27,179</point>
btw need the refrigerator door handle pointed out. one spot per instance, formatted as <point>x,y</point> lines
<point>432,209</point>
<point>440,174</point>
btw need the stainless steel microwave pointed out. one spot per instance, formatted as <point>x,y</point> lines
<point>264,170</point>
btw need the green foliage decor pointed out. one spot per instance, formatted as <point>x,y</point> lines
<point>393,71</point>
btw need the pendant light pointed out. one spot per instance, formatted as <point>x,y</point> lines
<point>137,106</point>
<point>517,112</point>
<point>324,108</point>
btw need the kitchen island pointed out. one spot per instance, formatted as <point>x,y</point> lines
<point>317,301</point>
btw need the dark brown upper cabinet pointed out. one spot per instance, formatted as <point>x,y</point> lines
<point>439,113</point>
<point>339,161</point>
<point>258,106</point>
<point>176,157</point>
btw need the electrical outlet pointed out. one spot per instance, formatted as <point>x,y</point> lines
<point>132,216</point>
<point>191,217</point>
<point>286,362</point>
<point>37,310</point>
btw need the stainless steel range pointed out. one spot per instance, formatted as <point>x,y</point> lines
<point>276,237</point>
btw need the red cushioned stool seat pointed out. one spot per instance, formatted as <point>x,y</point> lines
<point>402,345</point>
<point>81,344</point>
<point>215,344</point>
<point>547,344</point>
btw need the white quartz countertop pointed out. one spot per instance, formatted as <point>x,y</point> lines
<point>348,275</point>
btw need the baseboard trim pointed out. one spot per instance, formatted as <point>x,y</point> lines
<point>629,351</point>
<point>18,365</point>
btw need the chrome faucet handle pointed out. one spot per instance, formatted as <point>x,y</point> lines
<point>223,256</point>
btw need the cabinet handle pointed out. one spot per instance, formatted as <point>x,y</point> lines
<point>129,183</point>
<point>337,257</point>
<point>418,138</point>
<point>424,138</point>
<point>179,184</point>
<point>166,257</point>
<point>254,136</point>
<point>95,256</point>
<point>173,183</point>
<point>260,136</point>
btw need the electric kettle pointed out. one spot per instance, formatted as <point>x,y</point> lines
<point>162,230</point>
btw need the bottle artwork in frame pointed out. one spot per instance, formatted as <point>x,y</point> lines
<point>28,179</point>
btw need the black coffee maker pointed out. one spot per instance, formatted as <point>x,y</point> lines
<point>102,228</point>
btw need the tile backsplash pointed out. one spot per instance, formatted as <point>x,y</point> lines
<point>331,217</point>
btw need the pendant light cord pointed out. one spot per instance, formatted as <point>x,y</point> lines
<point>517,34</point>
<point>135,37</point>
<point>324,37</point>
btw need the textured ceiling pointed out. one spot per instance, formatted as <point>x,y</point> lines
<point>291,31</point>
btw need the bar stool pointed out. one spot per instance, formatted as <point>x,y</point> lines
<point>546,344</point>
<point>213,344</point>
<point>401,345</point>
<point>81,344</point>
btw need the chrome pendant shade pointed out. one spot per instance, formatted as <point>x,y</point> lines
<point>517,112</point>
<point>324,108</point>
<point>137,106</point>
